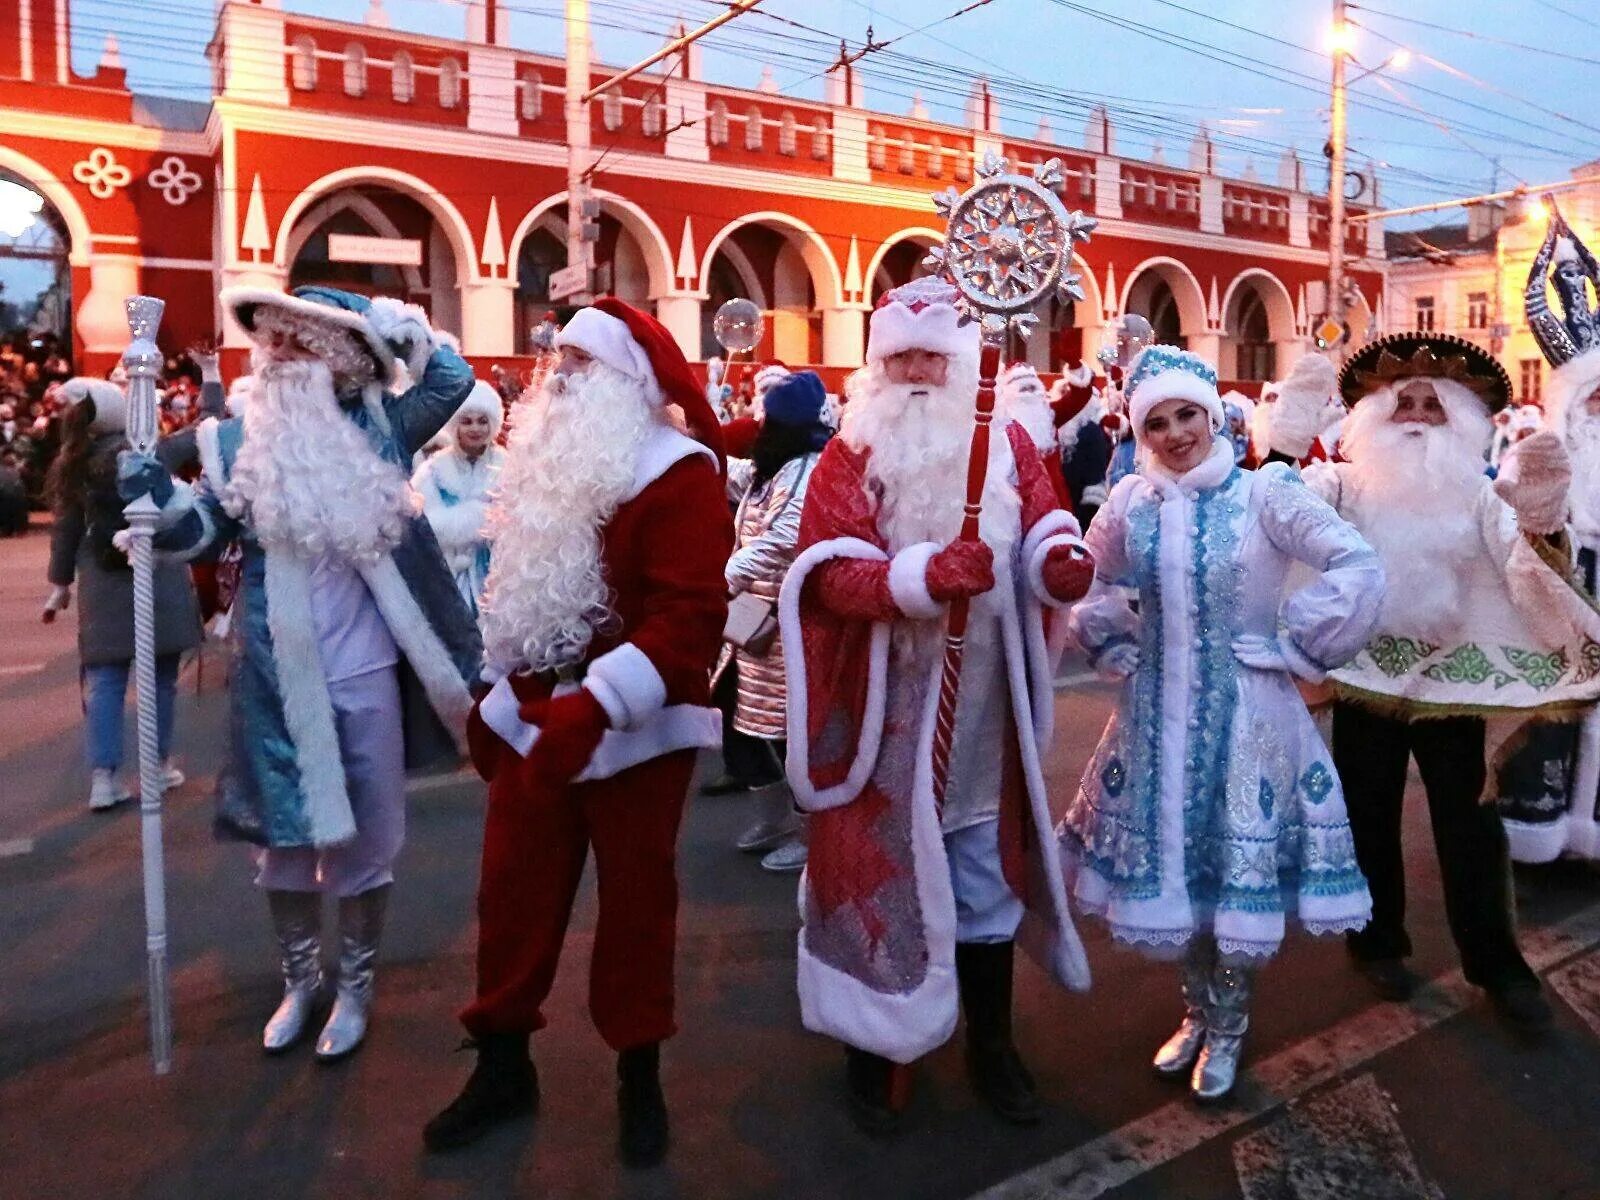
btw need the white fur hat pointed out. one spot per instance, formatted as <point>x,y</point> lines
<point>607,339</point>
<point>110,403</point>
<point>1017,375</point>
<point>483,398</point>
<point>1162,373</point>
<point>921,315</point>
<point>1570,384</point>
<point>769,375</point>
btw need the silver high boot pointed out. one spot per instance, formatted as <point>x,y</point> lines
<point>297,920</point>
<point>360,927</point>
<point>1227,1018</point>
<point>1178,1053</point>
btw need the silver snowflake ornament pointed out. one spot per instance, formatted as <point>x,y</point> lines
<point>1008,245</point>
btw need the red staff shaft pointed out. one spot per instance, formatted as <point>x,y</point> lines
<point>956,631</point>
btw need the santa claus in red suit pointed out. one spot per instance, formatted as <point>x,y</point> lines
<point>1022,398</point>
<point>602,617</point>
<point>907,910</point>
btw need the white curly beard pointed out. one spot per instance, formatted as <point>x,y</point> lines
<point>918,462</point>
<point>1415,499</point>
<point>306,478</point>
<point>569,463</point>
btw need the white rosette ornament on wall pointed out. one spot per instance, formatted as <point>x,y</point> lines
<point>1008,248</point>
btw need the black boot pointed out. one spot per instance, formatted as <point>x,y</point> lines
<point>641,1108</point>
<point>983,970</point>
<point>503,1085</point>
<point>869,1079</point>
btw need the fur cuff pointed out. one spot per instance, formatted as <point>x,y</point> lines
<point>405,328</point>
<point>908,581</point>
<point>627,685</point>
<point>1036,567</point>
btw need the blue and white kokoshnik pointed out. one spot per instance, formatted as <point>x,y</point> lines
<point>1163,373</point>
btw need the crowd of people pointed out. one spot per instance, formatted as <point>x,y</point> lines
<point>647,568</point>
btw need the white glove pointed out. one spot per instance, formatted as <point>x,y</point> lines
<point>57,601</point>
<point>1535,476</point>
<point>1117,663</point>
<point>122,540</point>
<point>1305,406</point>
<point>1260,652</point>
<point>405,328</point>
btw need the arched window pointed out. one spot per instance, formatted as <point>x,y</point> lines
<point>449,83</point>
<point>530,96</point>
<point>820,144</point>
<point>402,78</point>
<point>355,70</point>
<point>908,156</point>
<point>717,126</point>
<point>654,118</point>
<point>611,111</point>
<point>877,149</point>
<point>304,64</point>
<point>754,131</point>
<point>786,134</point>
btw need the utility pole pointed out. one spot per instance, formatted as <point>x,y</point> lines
<point>580,249</point>
<point>1336,155</point>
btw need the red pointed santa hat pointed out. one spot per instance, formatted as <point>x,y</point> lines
<point>639,346</point>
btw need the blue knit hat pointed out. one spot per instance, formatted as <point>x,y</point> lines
<point>798,399</point>
<point>1163,373</point>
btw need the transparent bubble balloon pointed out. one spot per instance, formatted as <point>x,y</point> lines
<point>738,326</point>
<point>1134,333</point>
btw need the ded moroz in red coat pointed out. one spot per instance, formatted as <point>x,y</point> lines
<point>877,950</point>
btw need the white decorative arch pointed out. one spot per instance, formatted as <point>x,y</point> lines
<point>59,196</point>
<point>365,208</point>
<point>747,273</point>
<point>1186,290</point>
<point>449,217</point>
<point>918,233</point>
<point>1274,296</point>
<point>819,260</point>
<point>657,253</point>
<point>1086,312</point>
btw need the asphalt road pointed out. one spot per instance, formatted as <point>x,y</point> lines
<point>1345,1097</point>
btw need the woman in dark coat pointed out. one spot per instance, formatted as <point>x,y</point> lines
<point>88,513</point>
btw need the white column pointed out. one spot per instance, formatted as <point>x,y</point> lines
<point>791,335</point>
<point>1210,204</point>
<point>680,313</point>
<point>1287,352</point>
<point>1208,346</point>
<point>844,335</point>
<point>1108,188</point>
<point>102,320</point>
<point>487,319</point>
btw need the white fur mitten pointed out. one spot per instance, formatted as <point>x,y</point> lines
<point>405,328</point>
<point>1535,476</point>
<point>1305,406</point>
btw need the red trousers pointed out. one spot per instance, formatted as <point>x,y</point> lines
<point>536,839</point>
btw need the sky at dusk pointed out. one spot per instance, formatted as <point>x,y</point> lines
<point>1512,103</point>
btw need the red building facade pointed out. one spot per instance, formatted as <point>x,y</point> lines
<point>436,169</point>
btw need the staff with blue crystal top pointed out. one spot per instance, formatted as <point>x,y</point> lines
<point>1211,813</point>
<point>348,617</point>
<point>1482,630</point>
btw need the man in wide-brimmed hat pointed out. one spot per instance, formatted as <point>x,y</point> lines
<point>355,649</point>
<point>1480,622</point>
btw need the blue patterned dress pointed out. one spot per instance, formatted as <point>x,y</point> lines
<point>1211,803</point>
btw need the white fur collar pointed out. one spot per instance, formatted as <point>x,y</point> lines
<point>452,470</point>
<point>663,447</point>
<point>1212,473</point>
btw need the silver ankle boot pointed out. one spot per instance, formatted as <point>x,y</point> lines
<point>360,927</point>
<point>1178,1053</point>
<point>1227,1018</point>
<point>297,920</point>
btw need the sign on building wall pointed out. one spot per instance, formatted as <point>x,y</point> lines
<point>389,251</point>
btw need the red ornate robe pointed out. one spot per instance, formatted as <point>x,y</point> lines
<point>877,948</point>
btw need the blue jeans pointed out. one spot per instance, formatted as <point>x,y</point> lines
<point>105,685</point>
<point>987,910</point>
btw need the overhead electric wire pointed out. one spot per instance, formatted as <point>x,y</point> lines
<point>1477,37</point>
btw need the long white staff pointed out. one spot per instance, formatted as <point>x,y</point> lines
<point>143,361</point>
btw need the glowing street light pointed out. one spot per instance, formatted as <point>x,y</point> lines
<point>1340,38</point>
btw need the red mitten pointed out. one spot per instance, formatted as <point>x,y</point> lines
<point>1067,572</point>
<point>960,569</point>
<point>570,729</point>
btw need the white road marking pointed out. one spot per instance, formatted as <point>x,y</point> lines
<point>22,669</point>
<point>434,783</point>
<point>16,848</point>
<point>1578,983</point>
<point>1347,1141</point>
<point>1158,1137</point>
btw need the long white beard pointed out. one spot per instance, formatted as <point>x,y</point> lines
<point>1030,408</point>
<point>569,463</point>
<point>307,479</point>
<point>1583,444</point>
<point>1415,498</point>
<point>918,462</point>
